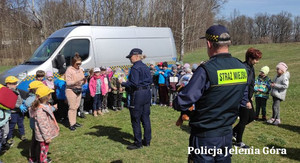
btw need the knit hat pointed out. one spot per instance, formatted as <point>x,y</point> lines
<point>186,65</point>
<point>49,73</point>
<point>265,70</point>
<point>282,66</point>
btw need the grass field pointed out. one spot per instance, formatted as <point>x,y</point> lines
<point>104,139</point>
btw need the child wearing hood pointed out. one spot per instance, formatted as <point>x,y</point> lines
<point>278,92</point>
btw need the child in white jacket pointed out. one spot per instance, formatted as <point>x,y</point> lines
<point>279,88</point>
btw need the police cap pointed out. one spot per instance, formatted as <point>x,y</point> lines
<point>135,51</point>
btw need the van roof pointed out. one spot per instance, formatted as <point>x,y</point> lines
<point>62,32</point>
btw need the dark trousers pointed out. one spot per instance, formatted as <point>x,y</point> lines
<point>163,94</point>
<point>141,113</point>
<point>210,143</point>
<point>261,103</point>
<point>62,111</point>
<point>34,151</point>
<point>246,117</point>
<point>16,118</point>
<point>1,137</point>
<point>97,104</point>
<point>117,99</point>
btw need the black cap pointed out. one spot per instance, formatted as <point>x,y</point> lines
<point>135,51</point>
<point>214,32</point>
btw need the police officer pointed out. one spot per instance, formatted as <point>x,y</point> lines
<point>216,88</point>
<point>139,81</point>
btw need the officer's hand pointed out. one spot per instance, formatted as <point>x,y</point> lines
<point>248,105</point>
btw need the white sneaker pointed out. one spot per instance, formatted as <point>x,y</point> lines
<point>85,112</point>
<point>106,110</point>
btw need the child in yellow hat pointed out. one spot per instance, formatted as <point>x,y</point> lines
<point>26,106</point>
<point>46,127</point>
<point>17,117</point>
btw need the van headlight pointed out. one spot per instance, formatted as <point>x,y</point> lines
<point>22,76</point>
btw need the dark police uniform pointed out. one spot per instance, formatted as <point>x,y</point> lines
<point>139,81</point>
<point>216,88</point>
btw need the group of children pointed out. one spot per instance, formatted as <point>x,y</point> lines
<point>277,88</point>
<point>167,83</point>
<point>47,100</point>
<point>42,121</point>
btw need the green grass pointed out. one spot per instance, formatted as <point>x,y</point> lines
<point>104,139</point>
<point>3,68</point>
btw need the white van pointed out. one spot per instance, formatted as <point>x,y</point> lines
<point>97,46</point>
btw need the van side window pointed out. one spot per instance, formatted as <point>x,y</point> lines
<point>82,46</point>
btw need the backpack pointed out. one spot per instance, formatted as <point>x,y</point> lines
<point>8,98</point>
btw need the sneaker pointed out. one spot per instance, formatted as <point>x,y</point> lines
<point>276,122</point>
<point>242,145</point>
<point>23,138</point>
<point>114,108</point>
<point>271,121</point>
<point>106,110</point>
<point>85,112</point>
<point>154,104</point>
<point>95,113</point>
<point>77,125</point>
<point>72,128</point>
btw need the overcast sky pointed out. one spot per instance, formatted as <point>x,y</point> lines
<point>252,7</point>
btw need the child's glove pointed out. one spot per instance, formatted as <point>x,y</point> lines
<point>23,108</point>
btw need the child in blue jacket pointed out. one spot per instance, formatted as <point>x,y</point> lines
<point>162,83</point>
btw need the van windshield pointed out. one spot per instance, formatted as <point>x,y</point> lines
<point>44,51</point>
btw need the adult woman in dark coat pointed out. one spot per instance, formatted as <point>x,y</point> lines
<point>139,81</point>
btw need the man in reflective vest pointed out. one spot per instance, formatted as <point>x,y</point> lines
<point>217,88</point>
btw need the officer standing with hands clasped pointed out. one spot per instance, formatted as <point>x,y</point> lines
<point>139,81</point>
<point>216,88</point>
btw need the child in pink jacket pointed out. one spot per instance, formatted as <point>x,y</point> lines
<point>46,127</point>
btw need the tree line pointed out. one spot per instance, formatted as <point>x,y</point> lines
<point>27,23</point>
